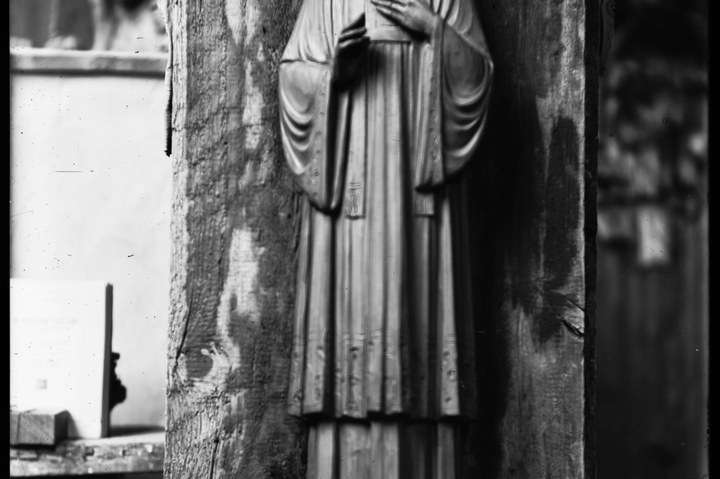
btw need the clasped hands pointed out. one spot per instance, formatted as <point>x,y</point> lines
<point>413,15</point>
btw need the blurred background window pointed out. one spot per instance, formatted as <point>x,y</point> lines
<point>652,258</point>
<point>119,25</point>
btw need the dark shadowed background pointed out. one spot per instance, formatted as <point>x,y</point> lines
<point>652,261</point>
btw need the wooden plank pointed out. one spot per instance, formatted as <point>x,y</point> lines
<point>143,452</point>
<point>234,229</point>
<point>44,60</point>
<point>532,234</point>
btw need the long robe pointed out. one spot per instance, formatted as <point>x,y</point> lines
<point>383,325</point>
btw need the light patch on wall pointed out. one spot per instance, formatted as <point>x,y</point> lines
<point>242,278</point>
<point>252,20</point>
<point>248,176</point>
<point>252,111</point>
<point>238,296</point>
<point>653,236</point>
<point>254,102</point>
<point>234,16</point>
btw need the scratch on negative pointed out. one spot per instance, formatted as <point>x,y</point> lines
<point>22,213</point>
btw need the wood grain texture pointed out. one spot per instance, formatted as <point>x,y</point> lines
<point>533,234</point>
<point>37,427</point>
<point>233,231</point>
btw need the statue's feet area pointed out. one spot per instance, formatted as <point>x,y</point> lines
<point>383,449</point>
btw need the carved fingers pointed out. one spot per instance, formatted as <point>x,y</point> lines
<point>411,14</point>
<point>353,34</point>
<point>351,44</point>
<point>351,37</point>
<point>357,23</point>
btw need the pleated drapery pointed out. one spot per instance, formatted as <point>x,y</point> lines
<point>383,325</point>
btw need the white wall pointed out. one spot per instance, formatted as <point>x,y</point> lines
<point>90,199</point>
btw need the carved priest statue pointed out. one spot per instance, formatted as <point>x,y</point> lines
<point>383,102</point>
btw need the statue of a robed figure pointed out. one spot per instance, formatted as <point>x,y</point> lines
<point>383,102</point>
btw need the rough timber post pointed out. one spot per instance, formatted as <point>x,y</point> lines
<point>234,214</point>
<point>534,242</point>
<point>235,223</point>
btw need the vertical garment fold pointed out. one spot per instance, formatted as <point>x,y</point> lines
<point>383,300</point>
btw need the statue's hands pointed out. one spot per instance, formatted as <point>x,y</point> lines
<point>349,52</point>
<point>414,15</point>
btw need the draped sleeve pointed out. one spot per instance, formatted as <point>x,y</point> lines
<point>454,93</point>
<point>313,113</point>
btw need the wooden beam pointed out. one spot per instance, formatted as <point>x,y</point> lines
<point>234,225</point>
<point>533,233</point>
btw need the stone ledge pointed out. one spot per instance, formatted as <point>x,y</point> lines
<point>126,452</point>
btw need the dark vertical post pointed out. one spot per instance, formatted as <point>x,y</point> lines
<point>534,217</point>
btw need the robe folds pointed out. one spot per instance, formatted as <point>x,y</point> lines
<point>383,317</point>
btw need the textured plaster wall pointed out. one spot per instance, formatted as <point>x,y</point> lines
<point>90,199</point>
